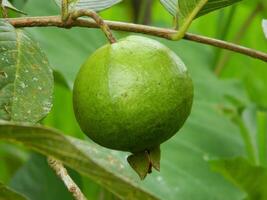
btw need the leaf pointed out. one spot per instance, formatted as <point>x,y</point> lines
<point>251,179</point>
<point>96,5</point>
<point>8,194</point>
<point>264,26</point>
<point>185,11</point>
<point>213,5</point>
<point>36,180</point>
<point>7,4</point>
<point>11,159</point>
<point>26,80</point>
<point>77,154</point>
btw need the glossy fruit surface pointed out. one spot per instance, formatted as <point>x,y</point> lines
<point>132,95</point>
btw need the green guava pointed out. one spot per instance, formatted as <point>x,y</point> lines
<point>132,96</point>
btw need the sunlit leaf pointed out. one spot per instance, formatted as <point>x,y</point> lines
<point>26,80</point>
<point>8,194</point>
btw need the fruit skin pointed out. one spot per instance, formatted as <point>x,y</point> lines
<point>132,95</point>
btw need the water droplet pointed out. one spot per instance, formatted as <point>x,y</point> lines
<point>26,71</point>
<point>29,111</point>
<point>35,79</point>
<point>40,88</point>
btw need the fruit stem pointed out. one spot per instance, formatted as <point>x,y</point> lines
<point>99,21</point>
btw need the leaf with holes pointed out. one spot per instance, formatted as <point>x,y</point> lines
<point>7,4</point>
<point>264,26</point>
<point>185,11</point>
<point>8,194</point>
<point>26,80</point>
<point>95,5</point>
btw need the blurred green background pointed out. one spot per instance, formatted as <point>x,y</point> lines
<point>230,101</point>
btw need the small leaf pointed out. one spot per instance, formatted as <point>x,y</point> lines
<point>8,194</point>
<point>264,26</point>
<point>89,159</point>
<point>95,5</point>
<point>185,11</point>
<point>251,179</point>
<point>7,4</point>
<point>26,80</point>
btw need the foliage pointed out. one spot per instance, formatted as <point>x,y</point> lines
<point>225,111</point>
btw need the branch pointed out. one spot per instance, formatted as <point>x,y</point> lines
<point>64,176</point>
<point>136,28</point>
<point>99,21</point>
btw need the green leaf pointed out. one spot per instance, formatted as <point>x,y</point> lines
<point>185,11</point>
<point>88,159</point>
<point>8,194</point>
<point>11,159</point>
<point>26,80</point>
<point>264,26</point>
<point>213,5</point>
<point>36,180</point>
<point>249,178</point>
<point>7,4</point>
<point>96,5</point>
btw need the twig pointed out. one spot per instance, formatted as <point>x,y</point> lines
<point>129,27</point>
<point>99,21</point>
<point>64,176</point>
<point>226,56</point>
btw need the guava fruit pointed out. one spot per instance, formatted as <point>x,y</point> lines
<point>132,96</point>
